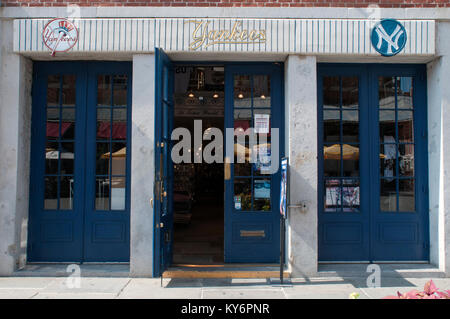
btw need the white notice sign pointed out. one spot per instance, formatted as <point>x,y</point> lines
<point>262,122</point>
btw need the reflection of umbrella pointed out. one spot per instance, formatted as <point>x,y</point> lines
<point>241,149</point>
<point>120,153</point>
<point>54,155</point>
<point>333,152</point>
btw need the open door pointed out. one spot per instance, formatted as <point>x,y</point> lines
<point>163,162</point>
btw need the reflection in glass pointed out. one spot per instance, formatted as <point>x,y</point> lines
<point>331,95</point>
<point>331,126</point>
<point>242,91</point>
<point>118,158</point>
<point>119,130</point>
<point>388,156</point>
<point>405,126</point>
<point>386,92</point>
<point>66,193</point>
<point>120,90</point>
<point>118,193</point>
<point>51,192</point>
<point>387,124</point>
<point>68,123</point>
<point>388,195</point>
<point>104,90</point>
<point>350,126</point>
<point>406,200</point>
<point>53,89</point>
<point>404,92</point>
<point>350,195</point>
<point>261,91</point>
<point>350,92</point>
<point>51,157</point>
<point>406,160</point>
<point>103,123</point>
<point>332,195</point>
<point>243,193</point>
<point>102,193</point>
<point>102,165</point>
<point>67,155</point>
<point>68,90</point>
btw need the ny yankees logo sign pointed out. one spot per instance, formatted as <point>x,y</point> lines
<point>388,37</point>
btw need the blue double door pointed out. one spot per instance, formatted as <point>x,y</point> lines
<point>80,159</point>
<point>253,93</point>
<point>373,184</point>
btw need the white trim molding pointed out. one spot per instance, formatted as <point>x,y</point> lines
<point>289,36</point>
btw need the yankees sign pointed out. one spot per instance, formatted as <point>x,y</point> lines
<point>388,37</point>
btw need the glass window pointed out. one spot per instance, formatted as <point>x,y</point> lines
<point>111,142</point>
<point>396,129</point>
<point>252,109</point>
<point>341,144</point>
<point>60,147</point>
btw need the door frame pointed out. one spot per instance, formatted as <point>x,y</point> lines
<point>157,271</point>
<point>373,70</point>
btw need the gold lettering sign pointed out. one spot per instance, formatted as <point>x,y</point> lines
<point>202,36</point>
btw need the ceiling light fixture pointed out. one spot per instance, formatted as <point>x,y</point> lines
<point>240,95</point>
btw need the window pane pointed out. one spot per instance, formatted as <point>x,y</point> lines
<point>261,91</point>
<point>388,195</point>
<point>331,126</point>
<point>350,126</point>
<point>103,123</point>
<point>68,123</point>
<point>104,90</point>
<point>102,166</point>
<point>118,193</point>
<point>406,200</point>
<point>332,160</point>
<point>387,126</point>
<point>405,127</point>
<point>242,91</point>
<point>66,193</point>
<point>262,192</point>
<point>387,160</point>
<point>119,130</point>
<point>53,89</point>
<point>120,90</point>
<point>332,195</point>
<point>67,155</point>
<point>350,94</point>
<point>242,193</point>
<point>51,192</point>
<point>52,125</point>
<point>386,92</point>
<point>51,157</point>
<point>404,92</point>
<point>331,91</point>
<point>350,195</point>
<point>351,160</point>
<point>406,160</point>
<point>102,193</point>
<point>118,158</point>
<point>69,91</point>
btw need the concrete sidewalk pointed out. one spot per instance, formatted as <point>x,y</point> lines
<point>123,287</point>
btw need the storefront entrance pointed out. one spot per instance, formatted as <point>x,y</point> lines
<point>79,191</point>
<point>235,200</point>
<point>373,193</point>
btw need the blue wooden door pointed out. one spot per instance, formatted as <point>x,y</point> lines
<point>79,207</point>
<point>372,163</point>
<point>252,218</point>
<point>163,161</point>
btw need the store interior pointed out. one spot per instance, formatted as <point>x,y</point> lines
<point>198,191</point>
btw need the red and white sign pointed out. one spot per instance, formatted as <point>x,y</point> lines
<point>60,35</point>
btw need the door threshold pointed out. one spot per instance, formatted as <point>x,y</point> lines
<point>225,271</point>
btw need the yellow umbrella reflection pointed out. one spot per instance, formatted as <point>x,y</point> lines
<point>333,152</point>
<point>120,153</point>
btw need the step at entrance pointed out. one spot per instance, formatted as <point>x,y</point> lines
<point>225,271</point>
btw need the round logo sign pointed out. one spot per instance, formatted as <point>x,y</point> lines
<point>388,37</point>
<point>59,35</point>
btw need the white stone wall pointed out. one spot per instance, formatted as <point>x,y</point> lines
<point>439,150</point>
<point>301,144</point>
<point>15,121</point>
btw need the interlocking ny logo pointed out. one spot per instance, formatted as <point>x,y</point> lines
<point>388,37</point>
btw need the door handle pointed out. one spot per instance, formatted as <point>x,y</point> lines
<point>151,202</point>
<point>227,169</point>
